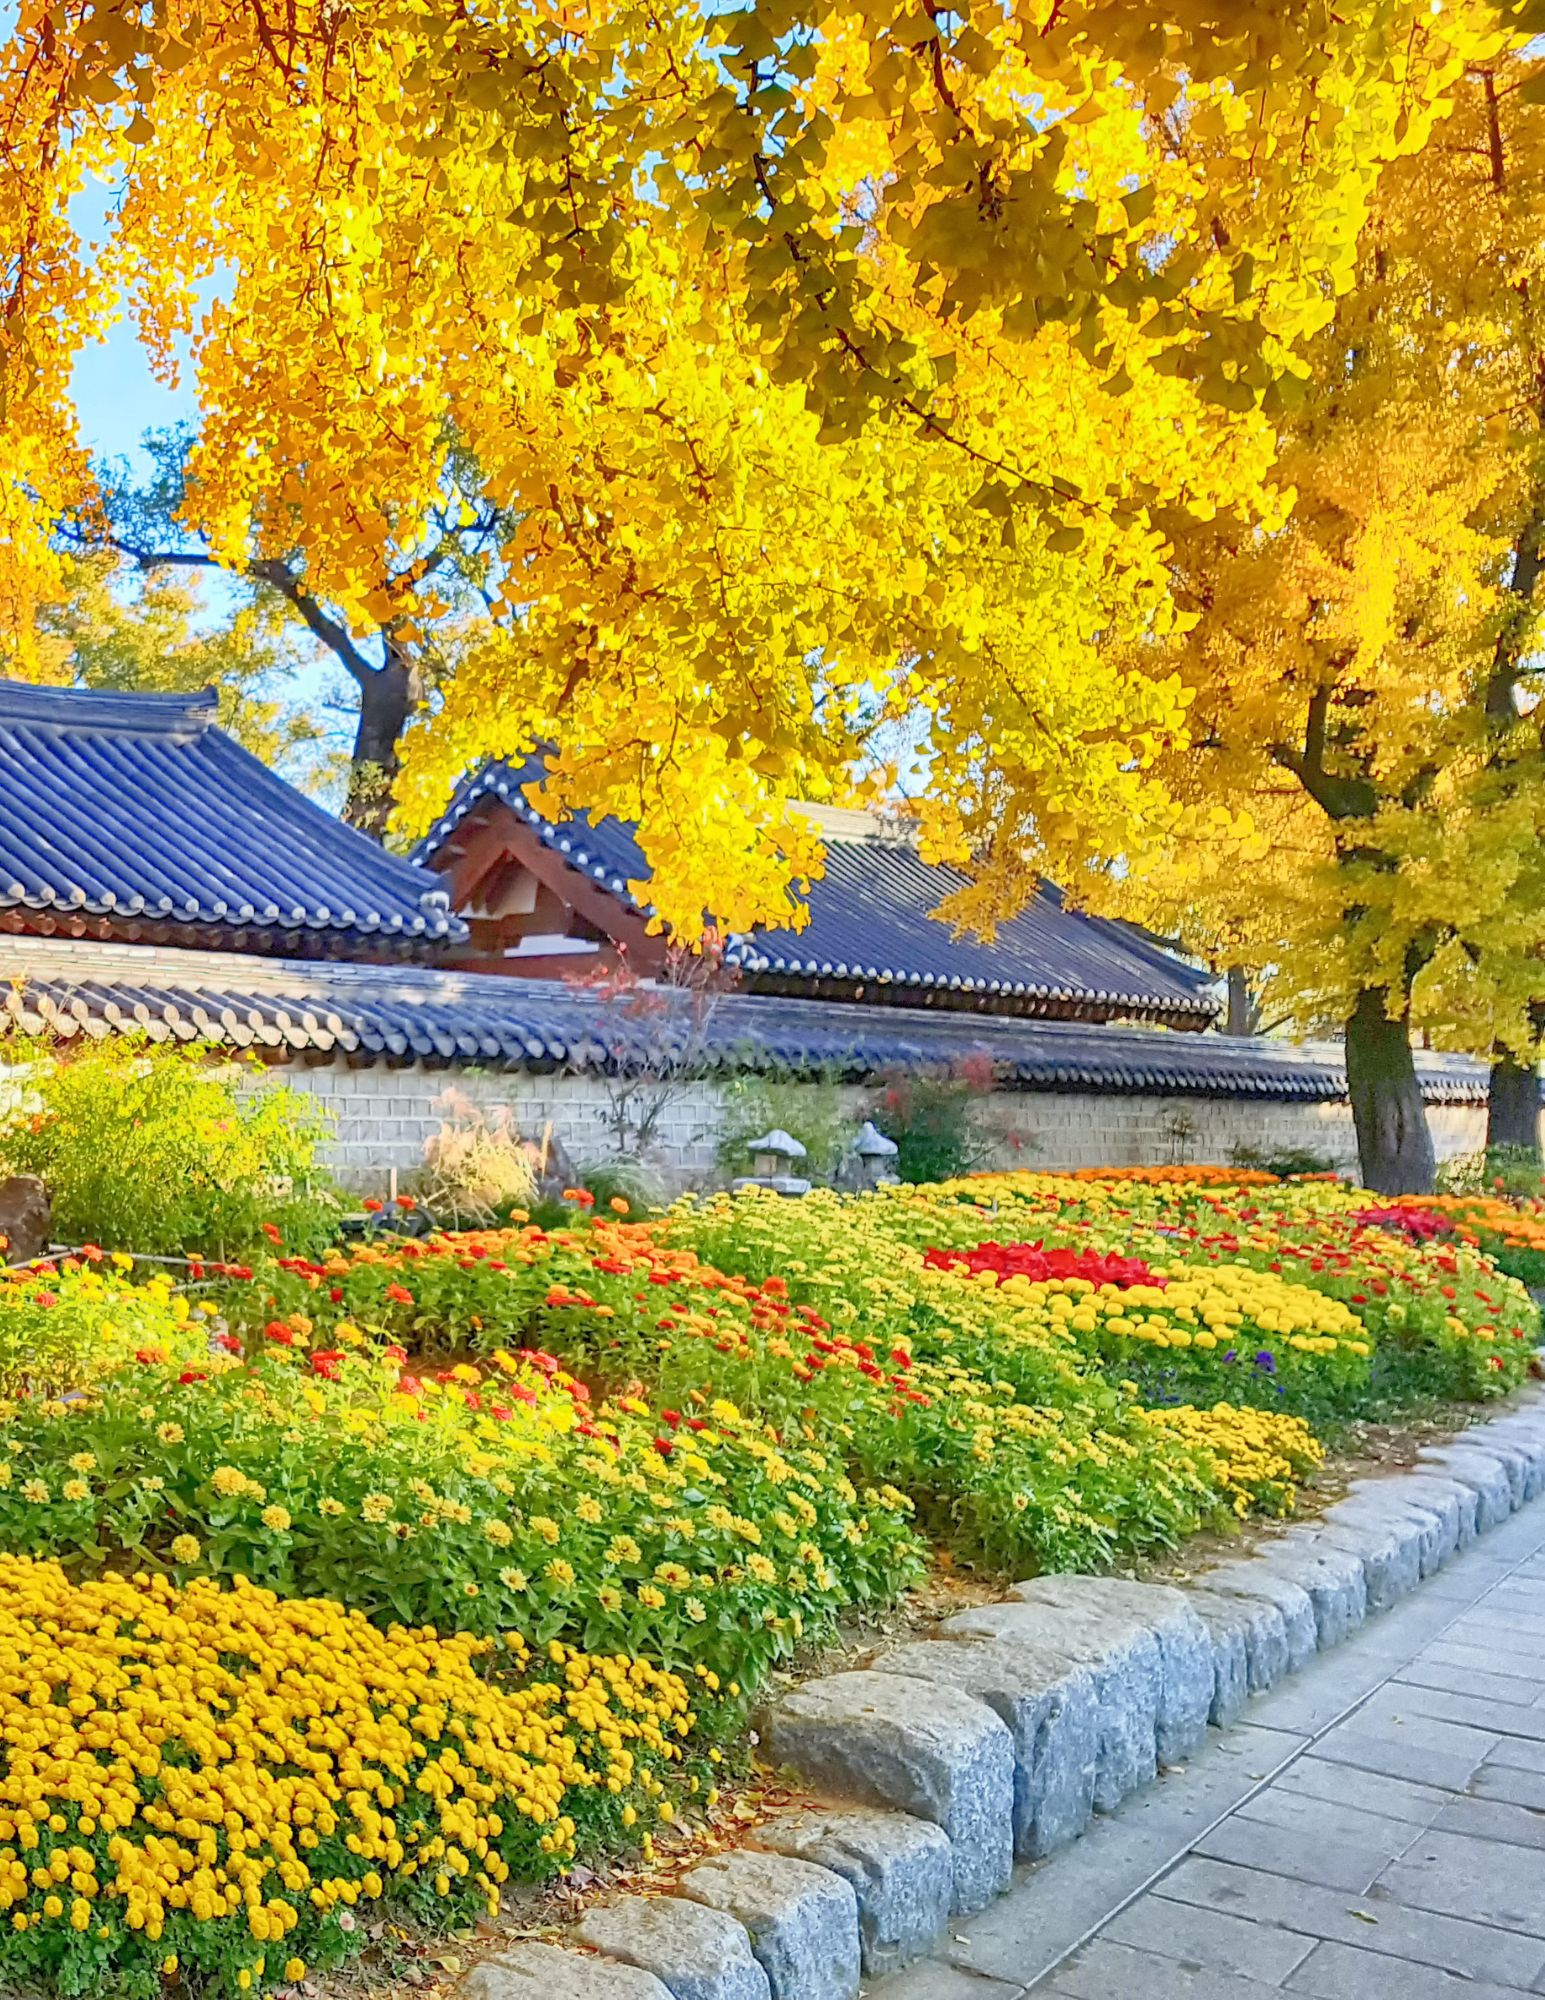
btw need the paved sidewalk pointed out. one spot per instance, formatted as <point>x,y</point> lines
<point>1373,1830</point>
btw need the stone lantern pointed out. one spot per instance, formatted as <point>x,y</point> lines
<point>772,1157</point>
<point>876,1156</point>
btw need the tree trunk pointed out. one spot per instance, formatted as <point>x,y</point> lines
<point>1394,1146</point>
<point>1242,1017</point>
<point>387,700</point>
<point>1513,1104</point>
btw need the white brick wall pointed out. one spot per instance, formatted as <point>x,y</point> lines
<point>384,1116</point>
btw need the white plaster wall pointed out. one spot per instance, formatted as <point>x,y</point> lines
<point>382,1118</point>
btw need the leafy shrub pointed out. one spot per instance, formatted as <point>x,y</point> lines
<point>931,1116</point>
<point>155,1148</point>
<point>1501,1170</point>
<point>812,1112</point>
<point>1283,1162</point>
<point>64,1323</point>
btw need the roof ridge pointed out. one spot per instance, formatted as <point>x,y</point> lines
<point>83,710</point>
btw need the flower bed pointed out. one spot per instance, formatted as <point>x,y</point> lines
<point>210,1780</point>
<point>622,1471</point>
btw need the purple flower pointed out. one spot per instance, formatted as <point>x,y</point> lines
<point>1232,1355</point>
<point>1266,1361</point>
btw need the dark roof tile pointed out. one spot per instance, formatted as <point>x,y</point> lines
<point>136,808</point>
<point>871,921</point>
<point>416,1013</point>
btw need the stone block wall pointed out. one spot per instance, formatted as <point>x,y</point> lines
<point>383,1117</point>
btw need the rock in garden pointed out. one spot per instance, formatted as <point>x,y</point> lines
<point>1334,1580</point>
<point>1251,1579</point>
<point>1387,1544</point>
<point>545,1972</point>
<point>901,1870</point>
<point>1184,1648</point>
<point>1484,1475</point>
<point>1227,1620</point>
<point>1432,1489</point>
<point>26,1217</point>
<point>1049,1704</point>
<point>882,1740</point>
<point>1431,1526</point>
<point>802,1920</point>
<point>698,1953</point>
<point>1128,1674</point>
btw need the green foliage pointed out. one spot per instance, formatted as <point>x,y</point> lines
<point>158,1149</point>
<point>1505,1170</point>
<point>931,1117</point>
<point>811,1111</point>
<point>1286,1162</point>
<point>622,1179</point>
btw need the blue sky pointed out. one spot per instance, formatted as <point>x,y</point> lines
<point>117,396</point>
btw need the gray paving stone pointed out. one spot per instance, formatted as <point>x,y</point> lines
<point>1516,1462</point>
<point>547,1972</point>
<point>1312,1821</point>
<point>1335,1582</point>
<point>885,1740</point>
<point>1262,1631</point>
<point>803,1920</point>
<point>1108,1971</point>
<point>1470,1878</point>
<point>1513,1823</point>
<point>1365,1791</point>
<point>934,1980</point>
<point>695,1952</point>
<point>1444,1679</point>
<point>1372,1922</point>
<point>1128,1671</point>
<point>1486,1475</point>
<point>1517,1788</point>
<point>1185,1650</point>
<point>1048,1702</point>
<point>1516,1753</point>
<point>1388,1544</point>
<point>1467,1711</point>
<point>1209,1938</point>
<point>1258,1583</point>
<point>1428,1750</point>
<point>1343,1972</point>
<point>900,1869</point>
<point>1276,1850</point>
<point>1512,1656</point>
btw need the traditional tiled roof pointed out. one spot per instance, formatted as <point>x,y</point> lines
<point>871,924</point>
<point>400,1015</point>
<point>134,815</point>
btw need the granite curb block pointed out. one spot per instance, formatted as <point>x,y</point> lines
<point>950,1758</point>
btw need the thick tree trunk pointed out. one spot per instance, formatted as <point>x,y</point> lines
<point>1513,1104</point>
<point>1394,1146</point>
<point>387,700</point>
<point>1241,1019</point>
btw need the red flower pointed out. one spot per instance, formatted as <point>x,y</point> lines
<point>400,1293</point>
<point>901,1357</point>
<point>395,1353</point>
<point>671,1417</point>
<point>665,1447</point>
<point>371,1206</point>
<point>335,1293</point>
<point>191,1375</point>
<point>228,1343</point>
<point>325,1362</point>
<point>148,1356</point>
<point>279,1333</point>
<point>406,1203</point>
<point>270,1232</point>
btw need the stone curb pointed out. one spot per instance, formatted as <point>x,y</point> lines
<point>948,1759</point>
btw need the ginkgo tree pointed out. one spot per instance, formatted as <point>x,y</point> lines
<point>1367,681</point>
<point>825,360</point>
